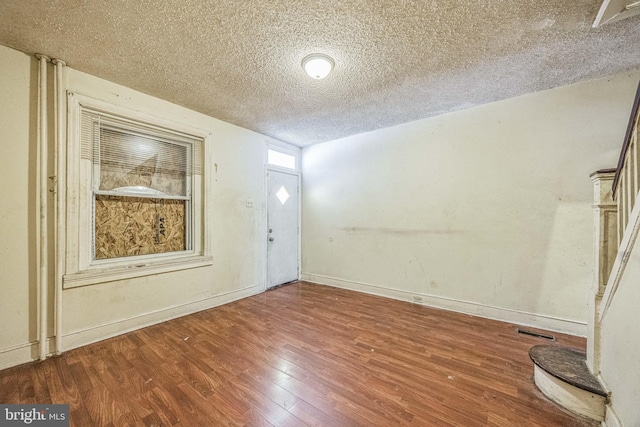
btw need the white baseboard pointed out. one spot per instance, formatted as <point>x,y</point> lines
<point>24,353</point>
<point>30,351</point>
<point>97,333</point>
<point>540,321</point>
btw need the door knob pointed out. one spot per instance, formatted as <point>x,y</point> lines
<point>271,239</point>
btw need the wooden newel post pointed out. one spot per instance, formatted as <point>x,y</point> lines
<point>605,229</point>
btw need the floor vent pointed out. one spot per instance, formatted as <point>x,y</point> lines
<point>536,334</point>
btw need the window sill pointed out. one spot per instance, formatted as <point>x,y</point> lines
<point>111,274</point>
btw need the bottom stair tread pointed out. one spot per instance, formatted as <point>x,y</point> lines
<point>567,364</point>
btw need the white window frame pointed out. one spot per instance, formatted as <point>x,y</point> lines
<point>80,267</point>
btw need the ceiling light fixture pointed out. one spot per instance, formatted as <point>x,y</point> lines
<point>317,65</point>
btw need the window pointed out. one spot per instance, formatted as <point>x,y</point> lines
<point>136,198</point>
<point>283,160</point>
<point>141,187</point>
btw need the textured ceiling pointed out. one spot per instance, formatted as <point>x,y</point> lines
<point>396,61</point>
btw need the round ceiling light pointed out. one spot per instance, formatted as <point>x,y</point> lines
<point>317,65</point>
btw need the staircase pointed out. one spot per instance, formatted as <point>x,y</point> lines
<point>568,376</point>
<point>562,374</point>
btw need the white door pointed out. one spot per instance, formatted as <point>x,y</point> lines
<point>282,228</point>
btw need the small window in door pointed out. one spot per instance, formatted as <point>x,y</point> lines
<point>283,160</point>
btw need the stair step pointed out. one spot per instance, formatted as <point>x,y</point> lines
<point>561,373</point>
<point>567,364</point>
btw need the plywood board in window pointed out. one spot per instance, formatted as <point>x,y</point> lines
<point>130,226</point>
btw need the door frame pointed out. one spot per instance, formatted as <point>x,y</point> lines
<point>265,232</point>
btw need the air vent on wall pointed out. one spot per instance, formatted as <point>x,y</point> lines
<point>535,334</point>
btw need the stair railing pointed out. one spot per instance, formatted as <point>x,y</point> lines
<point>627,179</point>
<point>625,187</point>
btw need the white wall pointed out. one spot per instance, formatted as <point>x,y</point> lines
<point>95,312</point>
<point>620,345</point>
<point>17,204</point>
<point>486,210</point>
<point>620,329</point>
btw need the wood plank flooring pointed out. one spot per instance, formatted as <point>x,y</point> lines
<point>300,355</point>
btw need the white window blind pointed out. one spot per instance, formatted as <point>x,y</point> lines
<point>133,159</point>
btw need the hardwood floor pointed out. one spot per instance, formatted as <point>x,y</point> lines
<point>300,355</point>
